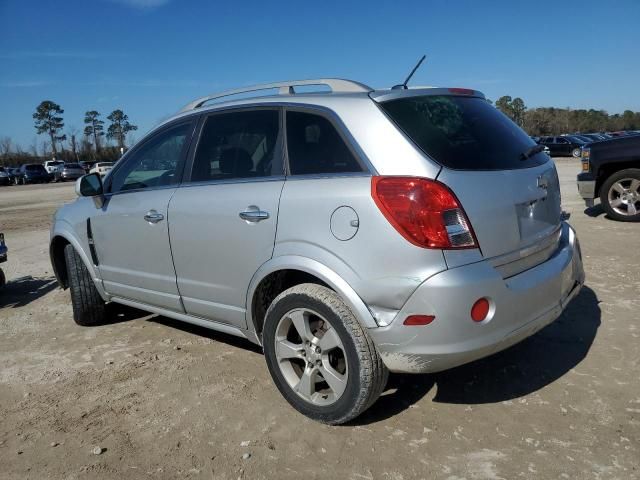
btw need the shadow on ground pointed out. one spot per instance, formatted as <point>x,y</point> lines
<point>22,291</point>
<point>513,373</point>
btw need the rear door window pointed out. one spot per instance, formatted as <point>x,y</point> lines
<point>463,133</point>
<point>240,144</point>
<point>314,146</point>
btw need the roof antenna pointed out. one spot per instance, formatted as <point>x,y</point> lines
<point>403,86</point>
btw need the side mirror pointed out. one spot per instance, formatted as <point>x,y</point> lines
<point>89,185</point>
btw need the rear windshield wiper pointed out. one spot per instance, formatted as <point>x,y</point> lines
<point>530,152</point>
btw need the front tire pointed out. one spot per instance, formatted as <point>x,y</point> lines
<point>88,307</point>
<point>620,195</point>
<point>320,358</point>
<point>576,153</point>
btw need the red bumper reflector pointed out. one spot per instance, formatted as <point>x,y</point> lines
<point>480,310</point>
<point>413,320</point>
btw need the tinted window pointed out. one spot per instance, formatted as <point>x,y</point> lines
<point>237,145</point>
<point>314,146</point>
<point>561,140</point>
<point>155,163</point>
<point>464,133</point>
<point>72,165</point>
<point>35,168</point>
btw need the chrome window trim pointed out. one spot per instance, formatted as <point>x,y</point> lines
<point>316,176</point>
<point>231,181</point>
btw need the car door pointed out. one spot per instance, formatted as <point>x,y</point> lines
<point>130,231</point>
<point>223,219</point>
<point>564,146</point>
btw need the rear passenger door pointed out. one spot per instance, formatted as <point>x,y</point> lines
<point>222,220</point>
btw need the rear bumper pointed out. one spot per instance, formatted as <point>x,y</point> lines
<point>587,188</point>
<point>520,306</point>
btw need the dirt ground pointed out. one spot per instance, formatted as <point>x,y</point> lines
<point>167,400</point>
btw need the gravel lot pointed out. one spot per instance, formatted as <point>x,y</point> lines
<point>167,400</point>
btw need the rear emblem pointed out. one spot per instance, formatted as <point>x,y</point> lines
<point>543,182</point>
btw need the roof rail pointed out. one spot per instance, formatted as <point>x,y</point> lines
<point>337,85</point>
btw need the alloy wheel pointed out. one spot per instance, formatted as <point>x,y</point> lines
<point>311,356</point>
<point>624,196</point>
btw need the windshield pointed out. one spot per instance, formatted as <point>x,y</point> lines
<point>105,164</point>
<point>463,133</point>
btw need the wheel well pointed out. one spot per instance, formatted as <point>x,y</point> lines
<point>609,169</point>
<point>56,251</point>
<point>273,285</point>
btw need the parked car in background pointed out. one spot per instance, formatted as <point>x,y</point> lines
<point>593,137</point>
<point>5,177</point>
<point>32,173</point>
<point>70,171</point>
<point>53,166</point>
<point>13,172</point>
<point>86,165</point>
<point>277,220</point>
<point>563,145</point>
<point>101,168</point>
<point>3,258</point>
<point>611,172</point>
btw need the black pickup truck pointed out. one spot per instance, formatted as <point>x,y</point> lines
<point>611,171</point>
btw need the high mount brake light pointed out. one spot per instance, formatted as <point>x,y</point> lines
<point>423,211</point>
<point>462,91</point>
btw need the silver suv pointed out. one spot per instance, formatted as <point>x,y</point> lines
<point>350,232</point>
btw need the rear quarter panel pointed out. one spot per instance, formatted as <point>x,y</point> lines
<point>378,263</point>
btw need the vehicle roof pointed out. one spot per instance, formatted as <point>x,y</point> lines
<point>353,92</point>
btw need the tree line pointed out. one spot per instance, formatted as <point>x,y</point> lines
<point>556,121</point>
<point>70,145</point>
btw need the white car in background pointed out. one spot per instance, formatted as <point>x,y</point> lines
<point>53,166</point>
<point>101,168</point>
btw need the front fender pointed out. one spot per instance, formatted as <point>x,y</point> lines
<point>324,273</point>
<point>63,229</point>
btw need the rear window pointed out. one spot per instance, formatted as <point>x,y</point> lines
<point>35,168</point>
<point>72,165</point>
<point>463,133</point>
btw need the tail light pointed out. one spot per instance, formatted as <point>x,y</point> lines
<point>423,211</point>
<point>585,154</point>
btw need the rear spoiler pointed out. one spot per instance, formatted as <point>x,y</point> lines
<point>393,94</point>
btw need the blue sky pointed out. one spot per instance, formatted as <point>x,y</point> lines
<point>149,57</point>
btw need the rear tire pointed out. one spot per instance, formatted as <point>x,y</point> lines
<point>362,376</point>
<point>88,307</point>
<point>620,195</point>
<point>576,153</point>
<point>3,279</point>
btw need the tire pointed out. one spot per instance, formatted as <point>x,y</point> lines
<point>364,377</point>
<point>620,195</point>
<point>3,279</point>
<point>576,152</point>
<point>88,307</point>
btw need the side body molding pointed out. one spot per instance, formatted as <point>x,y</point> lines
<point>308,265</point>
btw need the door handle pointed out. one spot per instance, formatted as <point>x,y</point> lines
<point>153,217</point>
<point>253,214</point>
